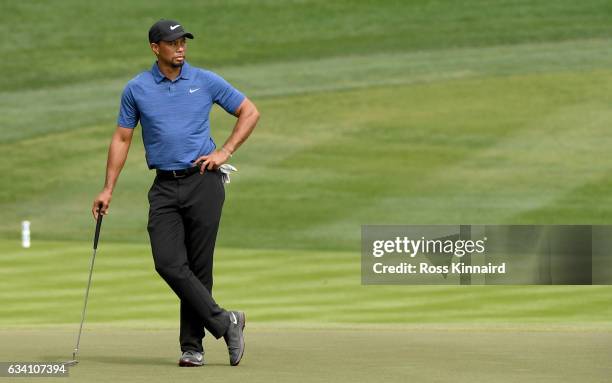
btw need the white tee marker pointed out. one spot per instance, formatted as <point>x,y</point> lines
<point>25,234</point>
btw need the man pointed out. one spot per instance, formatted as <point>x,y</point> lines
<point>172,101</point>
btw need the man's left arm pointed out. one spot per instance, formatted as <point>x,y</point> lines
<point>248,115</point>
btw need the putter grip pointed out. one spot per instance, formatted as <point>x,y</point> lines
<point>98,225</point>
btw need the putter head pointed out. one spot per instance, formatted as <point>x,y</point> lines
<point>70,363</point>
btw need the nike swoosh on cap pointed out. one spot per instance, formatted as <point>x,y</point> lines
<point>173,27</point>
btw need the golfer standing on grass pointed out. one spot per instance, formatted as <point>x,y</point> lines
<point>172,101</point>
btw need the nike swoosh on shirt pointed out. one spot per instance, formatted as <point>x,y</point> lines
<point>193,90</point>
<point>233,318</point>
<point>173,27</point>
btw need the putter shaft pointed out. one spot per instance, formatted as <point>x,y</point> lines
<point>84,312</point>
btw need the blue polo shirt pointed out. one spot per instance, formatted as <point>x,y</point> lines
<point>174,115</point>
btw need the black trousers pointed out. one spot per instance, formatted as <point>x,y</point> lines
<point>184,215</point>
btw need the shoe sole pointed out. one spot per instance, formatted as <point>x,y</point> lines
<point>243,319</point>
<point>187,363</point>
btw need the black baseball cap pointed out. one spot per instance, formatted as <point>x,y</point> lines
<point>167,30</point>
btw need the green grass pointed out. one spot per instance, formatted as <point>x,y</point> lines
<point>323,163</point>
<point>414,112</point>
<point>324,355</point>
<point>44,285</point>
<point>308,320</point>
<point>387,112</point>
<point>71,42</point>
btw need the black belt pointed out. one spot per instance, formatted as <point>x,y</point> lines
<point>173,174</point>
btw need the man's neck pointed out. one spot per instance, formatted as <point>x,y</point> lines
<point>171,72</point>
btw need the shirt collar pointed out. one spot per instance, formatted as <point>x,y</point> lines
<point>159,76</point>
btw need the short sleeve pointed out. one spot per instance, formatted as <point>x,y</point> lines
<point>223,94</point>
<point>128,110</point>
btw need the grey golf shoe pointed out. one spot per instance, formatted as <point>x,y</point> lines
<point>191,359</point>
<point>234,336</point>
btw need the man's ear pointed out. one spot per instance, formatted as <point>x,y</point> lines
<point>155,48</point>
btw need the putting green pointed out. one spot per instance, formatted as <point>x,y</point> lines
<point>333,329</point>
<point>364,354</point>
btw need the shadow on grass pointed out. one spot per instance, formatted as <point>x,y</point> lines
<point>146,361</point>
<point>124,360</point>
<point>115,360</point>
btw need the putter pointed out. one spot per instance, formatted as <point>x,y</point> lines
<point>75,352</point>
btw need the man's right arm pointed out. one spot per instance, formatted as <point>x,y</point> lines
<point>117,154</point>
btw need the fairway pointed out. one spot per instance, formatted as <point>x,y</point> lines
<point>498,127</point>
<point>363,354</point>
<point>45,284</point>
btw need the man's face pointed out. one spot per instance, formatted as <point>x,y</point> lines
<point>171,52</point>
